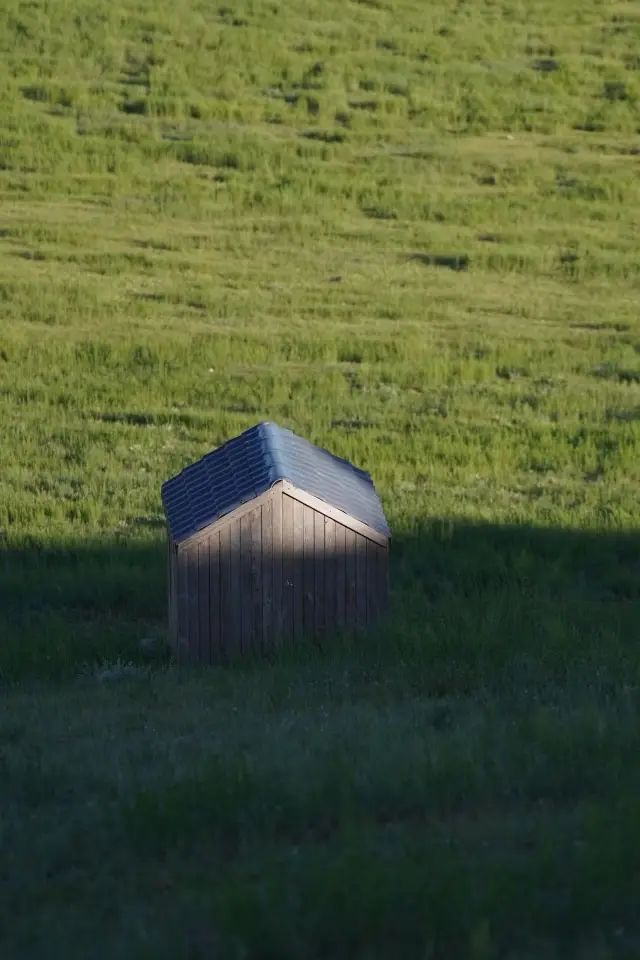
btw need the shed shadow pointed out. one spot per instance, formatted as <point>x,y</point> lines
<point>472,606</point>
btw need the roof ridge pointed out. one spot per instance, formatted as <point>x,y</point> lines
<point>249,464</point>
<point>270,434</point>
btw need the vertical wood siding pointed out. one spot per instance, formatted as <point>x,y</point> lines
<point>192,605</point>
<point>232,628</point>
<point>340,585</point>
<point>320,574</point>
<point>225,592</point>
<point>277,568</point>
<point>255,598</point>
<point>361,583</point>
<point>297,551</point>
<point>204,614</point>
<point>350,587</point>
<point>183,639</point>
<point>329,573</point>
<point>281,571</point>
<point>373,584</point>
<point>288,567</point>
<point>216,649</point>
<point>267,560</point>
<point>309,571</point>
<point>245,583</point>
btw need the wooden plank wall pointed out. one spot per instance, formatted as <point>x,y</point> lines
<point>281,570</point>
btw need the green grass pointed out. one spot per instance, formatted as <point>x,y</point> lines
<point>409,232</point>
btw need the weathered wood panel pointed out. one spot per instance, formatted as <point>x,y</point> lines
<point>192,604</point>
<point>277,568</point>
<point>373,599</point>
<point>329,574</point>
<point>321,506</point>
<point>361,582</point>
<point>232,517</point>
<point>215,598</point>
<point>341,577</point>
<point>288,569</point>
<point>350,562</point>
<point>318,574</point>
<point>281,569</point>
<point>183,607</point>
<point>383,580</point>
<point>204,614</point>
<point>266,575</point>
<point>227,642</point>
<point>254,599</point>
<point>308,619</point>
<point>298,570</point>
<point>245,584</point>
<point>234,628</point>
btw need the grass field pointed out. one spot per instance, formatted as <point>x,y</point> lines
<point>408,231</point>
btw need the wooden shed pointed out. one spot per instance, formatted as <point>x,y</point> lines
<point>271,539</point>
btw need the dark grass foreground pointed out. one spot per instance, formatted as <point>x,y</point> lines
<point>462,784</point>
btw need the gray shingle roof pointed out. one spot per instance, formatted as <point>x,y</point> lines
<point>248,465</point>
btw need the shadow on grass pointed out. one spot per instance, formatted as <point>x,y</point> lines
<point>491,826</point>
<point>473,606</point>
<point>66,606</point>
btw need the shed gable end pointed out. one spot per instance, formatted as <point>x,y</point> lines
<point>276,569</point>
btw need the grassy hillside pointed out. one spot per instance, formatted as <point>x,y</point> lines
<point>409,232</point>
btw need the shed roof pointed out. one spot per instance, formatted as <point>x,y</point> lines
<point>248,465</point>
